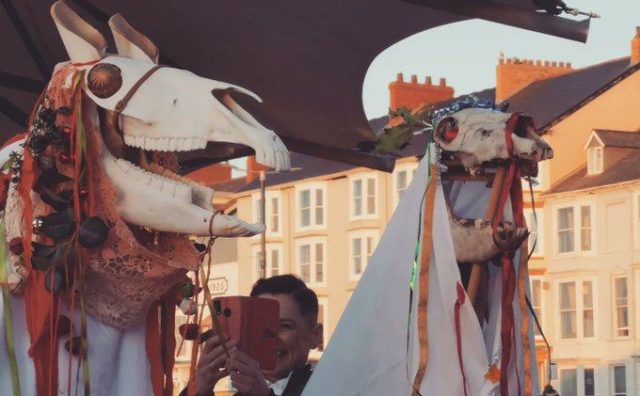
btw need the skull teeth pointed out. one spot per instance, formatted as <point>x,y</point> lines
<point>165,143</point>
<point>177,190</point>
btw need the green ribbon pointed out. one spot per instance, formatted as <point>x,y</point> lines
<point>8,317</point>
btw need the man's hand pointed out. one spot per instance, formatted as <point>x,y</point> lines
<point>246,375</point>
<point>211,365</point>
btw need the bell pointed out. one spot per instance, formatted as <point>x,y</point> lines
<point>189,331</point>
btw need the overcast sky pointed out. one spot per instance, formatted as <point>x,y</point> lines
<point>466,53</point>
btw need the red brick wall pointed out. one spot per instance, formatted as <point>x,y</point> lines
<point>635,47</point>
<point>254,168</point>
<point>513,74</point>
<point>211,174</point>
<point>413,94</point>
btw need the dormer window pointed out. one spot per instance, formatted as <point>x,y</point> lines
<point>594,162</point>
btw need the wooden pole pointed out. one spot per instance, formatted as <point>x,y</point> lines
<point>478,268</point>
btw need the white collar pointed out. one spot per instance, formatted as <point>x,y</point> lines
<point>279,386</point>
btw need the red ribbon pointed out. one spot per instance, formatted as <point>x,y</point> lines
<point>459,302</point>
<point>513,189</point>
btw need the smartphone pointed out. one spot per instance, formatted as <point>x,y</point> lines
<point>253,322</point>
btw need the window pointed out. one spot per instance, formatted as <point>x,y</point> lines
<point>362,245</point>
<point>536,302</point>
<point>311,206</point>
<point>363,197</point>
<point>619,374</point>
<point>585,228</point>
<point>183,352</point>
<point>621,303</point>
<point>273,211</point>
<point>403,176</point>
<point>568,310</point>
<point>274,218</point>
<point>577,315</point>
<point>574,234</point>
<point>587,309</point>
<point>637,218</point>
<point>311,260</point>
<point>273,265</point>
<point>589,382</point>
<point>534,223</point>
<point>565,230</point>
<point>594,161</point>
<point>568,382</point>
<point>322,314</point>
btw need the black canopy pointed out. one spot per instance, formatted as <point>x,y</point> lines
<point>306,59</point>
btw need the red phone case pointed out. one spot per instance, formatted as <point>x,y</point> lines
<point>254,323</point>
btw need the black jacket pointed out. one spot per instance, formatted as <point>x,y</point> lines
<point>295,386</point>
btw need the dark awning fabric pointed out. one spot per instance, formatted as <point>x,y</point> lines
<point>306,59</point>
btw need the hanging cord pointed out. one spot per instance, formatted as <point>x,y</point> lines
<point>529,305</point>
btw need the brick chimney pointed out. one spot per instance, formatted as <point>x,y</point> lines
<point>635,47</point>
<point>413,94</point>
<point>513,74</point>
<point>212,174</point>
<point>254,168</point>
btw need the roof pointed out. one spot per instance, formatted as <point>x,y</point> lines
<point>625,170</point>
<point>550,101</point>
<point>622,139</point>
<point>231,186</point>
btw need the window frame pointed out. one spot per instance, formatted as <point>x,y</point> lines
<point>577,229</point>
<point>312,242</point>
<point>411,168</point>
<point>636,218</point>
<point>185,352</point>
<point>269,195</point>
<point>614,305</point>
<point>322,304</point>
<point>362,235</point>
<point>595,164</point>
<point>270,247</point>
<point>364,178</point>
<point>528,213</point>
<point>538,278</point>
<point>612,378</point>
<point>313,219</point>
<point>579,309</point>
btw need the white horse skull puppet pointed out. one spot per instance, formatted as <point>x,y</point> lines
<point>98,177</point>
<point>436,338</point>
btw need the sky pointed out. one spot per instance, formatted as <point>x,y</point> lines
<point>466,53</point>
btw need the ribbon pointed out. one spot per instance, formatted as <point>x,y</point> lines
<point>426,244</point>
<point>8,323</point>
<point>512,189</point>
<point>459,302</point>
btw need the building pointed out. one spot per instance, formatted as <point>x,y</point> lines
<point>324,218</point>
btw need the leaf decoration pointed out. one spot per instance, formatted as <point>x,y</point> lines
<point>59,225</point>
<point>55,280</point>
<point>59,201</point>
<point>45,256</point>
<point>93,232</point>
<point>399,136</point>
<point>49,178</point>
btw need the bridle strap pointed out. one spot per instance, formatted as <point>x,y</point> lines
<point>115,115</point>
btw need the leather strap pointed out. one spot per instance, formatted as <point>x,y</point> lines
<point>120,106</point>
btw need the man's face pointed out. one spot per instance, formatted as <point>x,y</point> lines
<point>297,334</point>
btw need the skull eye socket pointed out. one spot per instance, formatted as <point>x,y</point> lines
<point>447,130</point>
<point>522,126</point>
<point>104,80</point>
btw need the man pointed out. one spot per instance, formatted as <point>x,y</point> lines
<point>298,333</point>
